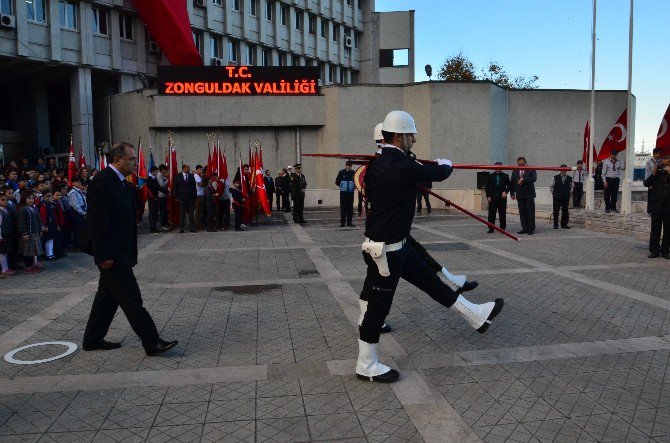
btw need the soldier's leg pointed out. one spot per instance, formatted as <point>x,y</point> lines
<point>457,283</point>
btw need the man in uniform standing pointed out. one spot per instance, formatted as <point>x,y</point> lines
<point>578,179</point>
<point>345,180</point>
<point>497,187</point>
<point>611,178</point>
<point>560,188</point>
<point>298,184</point>
<point>390,182</point>
<point>659,208</point>
<point>523,191</point>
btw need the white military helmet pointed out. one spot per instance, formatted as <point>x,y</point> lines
<point>378,132</point>
<point>399,122</point>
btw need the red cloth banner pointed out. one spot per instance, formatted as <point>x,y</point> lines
<point>663,136</point>
<point>71,165</point>
<point>169,25</point>
<point>261,194</point>
<point>616,139</point>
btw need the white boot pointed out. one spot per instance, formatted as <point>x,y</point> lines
<point>455,282</point>
<point>368,366</point>
<point>479,316</point>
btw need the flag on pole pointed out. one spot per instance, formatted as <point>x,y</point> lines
<point>102,160</point>
<point>585,148</point>
<point>71,165</point>
<point>215,160</point>
<point>209,159</point>
<point>223,168</point>
<point>616,139</point>
<point>152,160</point>
<point>82,158</point>
<point>261,194</point>
<point>142,175</point>
<point>663,137</point>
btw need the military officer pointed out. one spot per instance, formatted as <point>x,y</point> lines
<point>297,185</point>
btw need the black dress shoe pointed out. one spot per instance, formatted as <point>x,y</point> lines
<point>161,347</point>
<point>565,227</point>
<point>389,377</point>
<point>523,231</point>
<point>181,231</point>
<point>555,226</point>
<point>607,211</point>
<point>468,286</point>
<point>531,232</point>
<point>386,329</point>
<point>341,225</point>
<point>666,255</point>
<point>193,230</point>
<point>351,225</point>
<point>490,231</point>
<point>654,255</point>
<point>102,346</point>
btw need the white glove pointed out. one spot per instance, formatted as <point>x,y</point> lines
<point>443,162</point>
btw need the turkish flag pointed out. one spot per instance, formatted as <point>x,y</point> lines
<point>616,139</point>
<point>170,26</point>
<point>82,158</point>
<point>261,194</point>
<point>663,137</point>
<point>71,165</point>
<point>223,167</point>
<point>585,149</point>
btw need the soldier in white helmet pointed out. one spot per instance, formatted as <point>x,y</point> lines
<point>390,186</point>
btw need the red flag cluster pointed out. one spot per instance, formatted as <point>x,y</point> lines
<point>663,137</point>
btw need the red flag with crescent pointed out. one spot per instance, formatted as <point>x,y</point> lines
<point>261,194</point>
<point>585,149</point>
<point>663,137</point>
<point>223,166</point>
<point>616,138</point>
<point>71,165</point>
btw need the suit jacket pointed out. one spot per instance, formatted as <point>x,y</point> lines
<point>185,191</point>
<point>561,190</point>
<point>153,186</point>
<point>659,193</point>
<point>527,188</point>
<point>111,220</point>
<point>269,184</point>
<point>494,189</point>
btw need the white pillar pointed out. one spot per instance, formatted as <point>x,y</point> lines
<point>81,101</point>
<point>626,193</point>
<point>590,182</point>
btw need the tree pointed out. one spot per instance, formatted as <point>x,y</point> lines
<point>457,68</point>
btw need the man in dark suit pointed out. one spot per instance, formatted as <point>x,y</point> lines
<point>112,227</point>
<point>658,207</point>
<point>523,191</point>
<point>561,186</point>
<point>186,193</point>
<point>497,187</point>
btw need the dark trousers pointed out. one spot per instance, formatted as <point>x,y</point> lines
<point>187,208</point>
<point>561,204</point>
<point>279,206</point>
<point>659,222</point>
<point>346,207</point>
<point>210,208</point>
<point>298,207</point>
<point>199,203</point>
<point>153,214</point>
<point>422,195</point>
<point>360,205</point>
<point>286,202</point>
<point>223,214</point>
<point>423,254</point>
<point>498,205</point>
<point>238,216</point>
<point>78,223</point>
<point>527,213</point>
<point>611,193</point>
<point>162,209</point>
<point>58,243</point>
<point>118,287</point>
<point>577,193</point>
<point>270,197</point>
<point>378,291</point>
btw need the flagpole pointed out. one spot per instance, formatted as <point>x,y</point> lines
<point>590,182</point>
<point>627,190</point>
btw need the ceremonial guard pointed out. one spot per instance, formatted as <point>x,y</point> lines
<point>497,188</point>
<point>659,208</point>
<point>390,186</point>
<point>297,185</point>
<point>345,181</point>
<point>611,178</point>
<point>578,179</point>
<point>560,187</point>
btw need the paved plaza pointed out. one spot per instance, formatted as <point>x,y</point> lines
<point>266,323</point>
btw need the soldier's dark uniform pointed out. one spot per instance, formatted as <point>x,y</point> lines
<point>298,184</point>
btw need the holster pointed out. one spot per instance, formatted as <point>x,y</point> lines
<point>377,250</point>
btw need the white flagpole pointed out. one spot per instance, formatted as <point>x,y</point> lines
<point>590,182</point>
<point>627,191</point>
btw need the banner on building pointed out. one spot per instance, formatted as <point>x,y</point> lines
<point>238,80</point>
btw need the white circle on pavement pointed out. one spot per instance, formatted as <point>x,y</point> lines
<point>9,357</point>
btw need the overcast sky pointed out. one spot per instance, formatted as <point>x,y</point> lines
<point>552,39</point>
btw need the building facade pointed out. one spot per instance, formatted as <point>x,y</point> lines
<point>59,58</point>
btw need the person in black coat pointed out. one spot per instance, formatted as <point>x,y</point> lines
<point>154,188</point>
<point>561,187</point>
<point>659,208</point>
<point>345,181</point>
<point>112,228</point>
<point>186,192</point>
<point>269,186</point>
<point>523,191</point>
<point>497,187</point>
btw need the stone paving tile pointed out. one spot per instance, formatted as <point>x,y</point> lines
<point>334,426</point>
<point>181,434</point>
<point>181,414</point>
<point>131,435</point>
<point>291,429</point>
<point>652,281</point>
<point>234,431</point>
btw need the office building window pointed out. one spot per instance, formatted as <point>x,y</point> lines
<point>336,32</point>
<point>281,58</point>
<point>217,2</point>
<point>332,73</point>
<point>266,58</point>
<point>296,60</point>
<point>360,4</point>
<point>36,10</point>
<point>6,7</point>
<point>250,56</point>
<point>283,12</point>
<point>126,26</point>
<point>357,40</point>
<point>349,2</point>
<point>309,62</point>
<point>67,11</point>
<point>324,28</point>
<point>343,76</point>
<point>197,41</point>
<point>236,5</point>
<point>233,51</point>
<point>269,10</point>
<point>299,19</point>
<point>252,8</point>
<point>312,24</point>
<point>100,20</point>
<point>215,46</point>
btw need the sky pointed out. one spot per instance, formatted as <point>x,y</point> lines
<point>552,39</point>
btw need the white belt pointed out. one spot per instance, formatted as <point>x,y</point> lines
<point>392,247</point>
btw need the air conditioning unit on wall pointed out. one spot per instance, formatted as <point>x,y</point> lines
<point>7,21</point>
<point>153,46</point>
<point>215,61</point>
<point>199,3</point>
<point>348,41</point>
